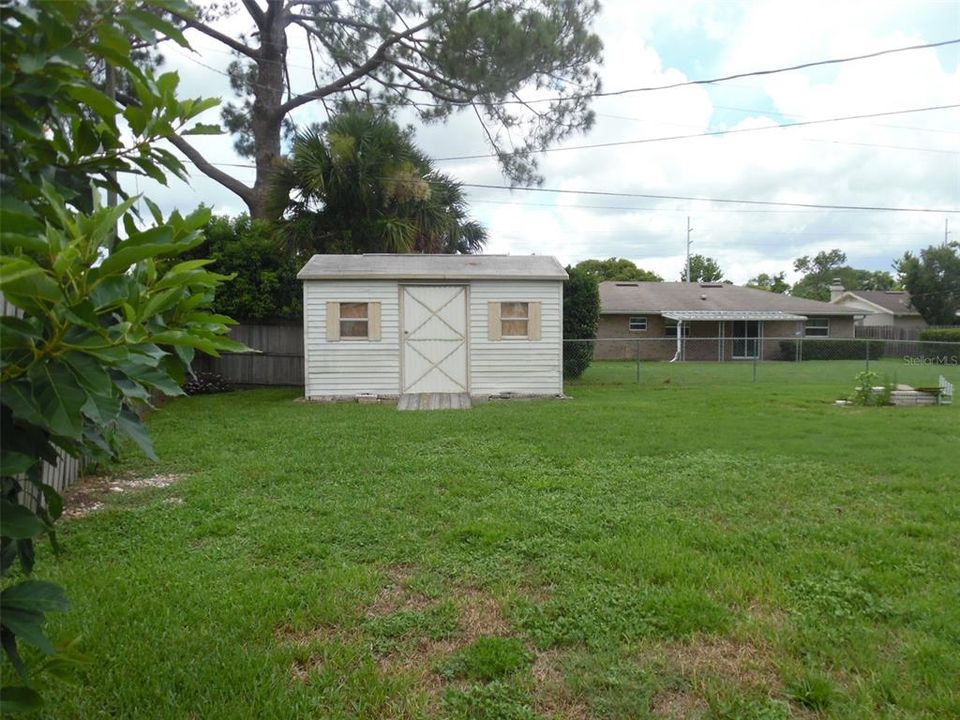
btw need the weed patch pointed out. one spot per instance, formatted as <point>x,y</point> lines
<point>486,659</point>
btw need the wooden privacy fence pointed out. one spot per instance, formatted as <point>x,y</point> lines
<point>279,362</point>
<point>899,341</point>
<point>67,469</point>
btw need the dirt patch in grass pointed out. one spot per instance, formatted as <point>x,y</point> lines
<point>552,696</point>
<point>301,669</point>
<point>697,659</point>
<point>679,704</point>
<point>89,494</point>
<point>702,656</point>
<point>480,614</point>
<point>396,595</point>
<point>419,657</point>
<point>287,635</point>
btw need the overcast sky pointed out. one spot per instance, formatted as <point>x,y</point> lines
<point>907,160</point>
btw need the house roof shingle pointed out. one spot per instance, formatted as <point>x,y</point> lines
<point>432,267</point>
<point>659,297</point>
<point>895,301</point>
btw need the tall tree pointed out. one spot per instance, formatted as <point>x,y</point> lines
<point>818,273</point>
<point>434,57</point>
<point>933,281</point>
<point>616,269</point>
<point>771,283</point>
<point>359,184</point>
<point>702,269</point>
<point>827,266</point>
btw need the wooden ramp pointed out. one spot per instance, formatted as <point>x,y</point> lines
<point>434,401</point>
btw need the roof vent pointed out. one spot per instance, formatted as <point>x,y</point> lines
<point>703,297</point>
<point>626,284</point>
<point>711,285</point>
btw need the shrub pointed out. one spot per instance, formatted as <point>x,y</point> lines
<point>581,315</point>
<point>941,334</point>
<point>265,286</point>
<point>831,349</point>
<point>864,393</point>
<point>206,383</point>
<point>940,342</point>
<point>102,321</point>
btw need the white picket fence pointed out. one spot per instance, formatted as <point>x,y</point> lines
<point>67,469</point>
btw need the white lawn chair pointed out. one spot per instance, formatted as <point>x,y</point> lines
<point>946,392</point>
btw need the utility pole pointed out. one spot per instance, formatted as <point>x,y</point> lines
<point>689,241</point>
<point>946,231</point>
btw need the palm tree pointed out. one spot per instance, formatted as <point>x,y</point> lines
<point>359,184</point>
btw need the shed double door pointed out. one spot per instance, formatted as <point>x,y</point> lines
<point>434,332</point>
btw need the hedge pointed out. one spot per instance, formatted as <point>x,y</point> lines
<point>940,343</point>
<point>941,334</point>
<point>831,349</point>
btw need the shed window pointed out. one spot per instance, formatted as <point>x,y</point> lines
<point>514,319</point>
<point>817,327</point>
<point>670,328</point>
<point>638,323</point>
<point>353,321</point>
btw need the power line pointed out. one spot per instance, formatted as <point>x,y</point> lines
<point>604,193</point>
<point>711,133</point>
<point>760,111</point>
<point>737,76</point>
<point>686,83</point>
<point>884,125</point>
<point>805,139</point>
<point>554,206</point>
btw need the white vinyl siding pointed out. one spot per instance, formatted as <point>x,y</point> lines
<point>363,365</point>
<point>528,365</point>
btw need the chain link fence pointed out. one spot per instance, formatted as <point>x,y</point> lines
<point>764,360</point>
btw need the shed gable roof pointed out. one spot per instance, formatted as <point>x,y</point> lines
<point>660,297</point>
<point>432,267</point>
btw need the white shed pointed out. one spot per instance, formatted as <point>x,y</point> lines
<point>397,324</point>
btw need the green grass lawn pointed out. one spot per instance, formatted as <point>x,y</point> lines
<point>696,545</point>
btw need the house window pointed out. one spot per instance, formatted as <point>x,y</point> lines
<point>638,324</point>
<point>817,327</point>
<point>670,328</point>
<point>514,319</point>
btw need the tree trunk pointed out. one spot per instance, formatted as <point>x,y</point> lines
<point>266,122</point>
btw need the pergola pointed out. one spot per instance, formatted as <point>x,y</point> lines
<point>721,316</point>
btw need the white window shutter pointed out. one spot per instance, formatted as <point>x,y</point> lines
<point>493,316</point>
<point>333,322</point>
<point>373,318</point>
<point>534,315</point>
